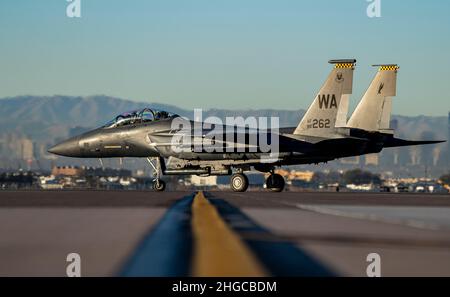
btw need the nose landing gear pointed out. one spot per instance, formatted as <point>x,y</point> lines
<point>158,184</point>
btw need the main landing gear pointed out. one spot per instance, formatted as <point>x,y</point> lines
<point>239,182</point>
<point>158,184</point>
<point>274,183</point>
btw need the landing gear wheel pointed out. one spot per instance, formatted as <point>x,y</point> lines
<point>239,182</point>
<point>275,183</point>
<point>159,185</point>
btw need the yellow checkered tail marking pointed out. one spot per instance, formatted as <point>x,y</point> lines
<point>389,68</point>
<point>344,65</point>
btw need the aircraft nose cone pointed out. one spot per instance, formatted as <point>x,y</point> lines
<point>68,148</point>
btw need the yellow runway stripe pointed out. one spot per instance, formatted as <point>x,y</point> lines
<point>218,250</point>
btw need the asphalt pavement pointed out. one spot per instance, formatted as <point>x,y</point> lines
<point>223,233</point>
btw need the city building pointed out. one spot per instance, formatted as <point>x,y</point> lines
<point>296,175</point>
<point>372,159</point>
<point>67,171</point>
<point>351,160</point>
<point>203,180</point>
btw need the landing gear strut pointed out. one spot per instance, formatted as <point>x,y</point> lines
<point>239,182</point>
<point>275,182</point>
<point>158,184</point>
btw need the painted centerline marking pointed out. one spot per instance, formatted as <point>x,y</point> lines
<point>280,256</point>
<point>218,250</point>
<point>210,237</point>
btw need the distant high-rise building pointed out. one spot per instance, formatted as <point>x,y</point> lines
<point>448,142</point>
<point>394,152</point>
<point>414,154</point>
<point>26,149</point>
<point>394,124</point>
<point>372,159</point>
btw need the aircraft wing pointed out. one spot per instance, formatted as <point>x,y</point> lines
<point>397,142</point>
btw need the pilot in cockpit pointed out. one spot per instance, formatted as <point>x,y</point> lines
<point>137,117</point>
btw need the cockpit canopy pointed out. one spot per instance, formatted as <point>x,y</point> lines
<point>139,116</point>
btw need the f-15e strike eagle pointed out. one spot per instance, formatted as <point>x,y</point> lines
<point>174,145</point>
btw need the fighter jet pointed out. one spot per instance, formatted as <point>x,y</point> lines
<point>174,145</point>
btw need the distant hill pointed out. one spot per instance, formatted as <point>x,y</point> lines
<point>36,115</point>
<point>43,120</point>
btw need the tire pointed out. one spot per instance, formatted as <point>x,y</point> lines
<point>275,183</point>
<point>239,182</point>
<point>159,185</point>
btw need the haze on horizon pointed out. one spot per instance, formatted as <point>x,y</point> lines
<point>223,54</point>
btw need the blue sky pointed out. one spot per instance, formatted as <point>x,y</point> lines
<point>223,53</point>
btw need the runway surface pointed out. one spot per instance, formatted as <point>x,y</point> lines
<point>131,233</point>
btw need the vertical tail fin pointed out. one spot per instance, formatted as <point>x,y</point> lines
<point>329,108</point>
<point>373,112</point>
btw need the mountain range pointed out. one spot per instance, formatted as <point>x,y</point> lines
<point>45,120</point>
<point>37,115</point>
